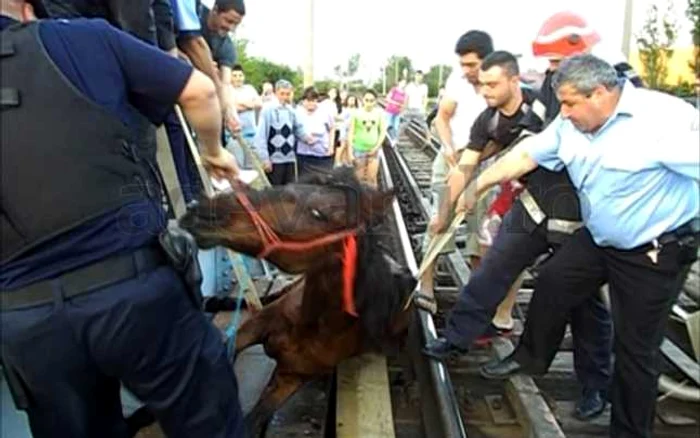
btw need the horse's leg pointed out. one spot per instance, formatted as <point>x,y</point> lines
<point>251,331</point>
<point>280,388</point>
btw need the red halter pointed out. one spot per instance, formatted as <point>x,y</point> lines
<point>271,242</point>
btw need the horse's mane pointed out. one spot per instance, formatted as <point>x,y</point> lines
<point>379,295</point>
<point>340,176</point>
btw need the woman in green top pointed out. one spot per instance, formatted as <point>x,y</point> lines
<point>366,134</point>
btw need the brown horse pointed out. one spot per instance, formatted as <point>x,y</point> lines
<point>350,299</point>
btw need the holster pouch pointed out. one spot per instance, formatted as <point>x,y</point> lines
<point>181,250</point>
<point>19,393</point>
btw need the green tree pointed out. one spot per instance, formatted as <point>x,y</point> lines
<point>393,69</point>
<point>693,14</point>
<point>346,73</point>
<point>658,35</point>
<point>434,81</point>
<point>259,70</point>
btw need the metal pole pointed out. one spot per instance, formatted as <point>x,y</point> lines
<point>396,71</point>
<point>383,82</point>
<point>309,68</point>
<point>627,29</point>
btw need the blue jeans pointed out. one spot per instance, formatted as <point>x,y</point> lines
<point>393,121</point>
<point>71,355</point>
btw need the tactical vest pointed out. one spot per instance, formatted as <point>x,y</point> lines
<point>64,159</point>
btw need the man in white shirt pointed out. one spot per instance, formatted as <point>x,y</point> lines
<point>417,95</point>
<point>459,107</point>
<point>248,102</point>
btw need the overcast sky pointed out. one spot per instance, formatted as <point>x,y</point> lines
<point>379,28</point>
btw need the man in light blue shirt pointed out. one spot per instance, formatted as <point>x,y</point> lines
<point>634,157</point>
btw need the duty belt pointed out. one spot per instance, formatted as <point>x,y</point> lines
<point>85,280</point>
<point>538,216</point>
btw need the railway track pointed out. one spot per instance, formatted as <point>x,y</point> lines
<point>519,406</point>
<point>427,398</point>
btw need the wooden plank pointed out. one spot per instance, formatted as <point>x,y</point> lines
<point>684,362</point>
<point>364,398</point>
<point>166,164</point>
<point>530,407</point>
<point>252,296</point>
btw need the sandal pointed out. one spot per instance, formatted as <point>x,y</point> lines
<point>491,332</point>
<point>425,302</point>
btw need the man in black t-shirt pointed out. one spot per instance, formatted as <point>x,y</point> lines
<point>496,128</point>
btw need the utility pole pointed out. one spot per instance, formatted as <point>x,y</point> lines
<point>627,29</point>
<point>440,78</point>
<point>309,65</point>
<point>383,81</point>
<point>396,70</point>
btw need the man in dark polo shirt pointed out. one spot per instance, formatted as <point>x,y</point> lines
<point>216,25</point>
<point>203,36</point>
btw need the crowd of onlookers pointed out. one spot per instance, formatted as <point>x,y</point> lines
<point>318,131</point>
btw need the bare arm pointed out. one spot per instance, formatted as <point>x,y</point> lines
<point>230,110</point>
<point>382,135</point>
<point>457,180</point>
<point>446,111</point>
<point>201,107</point>
<point>198,52</point>
<point>512,165</point>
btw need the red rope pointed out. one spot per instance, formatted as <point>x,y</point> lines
<point>349,270</point>
<point>271,242</point>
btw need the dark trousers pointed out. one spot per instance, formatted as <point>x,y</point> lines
<point>514,249</point>
<point>71,355</point>
<point>311,165</point>
<point>642,293</point>
<point>282,173</point>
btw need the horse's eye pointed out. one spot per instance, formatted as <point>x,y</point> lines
<point>317,214</point>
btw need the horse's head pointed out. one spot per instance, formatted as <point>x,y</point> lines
<point>307,218</point>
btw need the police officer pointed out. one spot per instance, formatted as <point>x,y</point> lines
<point>632,156</point>
<point>89,297</point>
<point>541,219</point>
<point>148,20</point>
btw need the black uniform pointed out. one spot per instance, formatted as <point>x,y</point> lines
<point>88,293</point>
